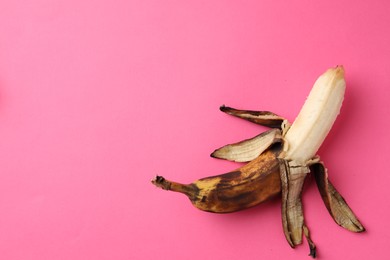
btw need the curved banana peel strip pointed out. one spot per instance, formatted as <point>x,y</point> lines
<point>249,149</point>
<point>278,162</point>
<point>264,118</point>
<point>292,180</point>
<point>334,202</point>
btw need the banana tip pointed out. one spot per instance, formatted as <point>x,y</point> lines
<point>339,69</point>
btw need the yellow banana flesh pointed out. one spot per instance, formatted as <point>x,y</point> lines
<point>316,117</point>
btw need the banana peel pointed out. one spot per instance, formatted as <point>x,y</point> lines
<point>278,162</point>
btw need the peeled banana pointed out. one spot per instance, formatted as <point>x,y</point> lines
<point>278,162</point>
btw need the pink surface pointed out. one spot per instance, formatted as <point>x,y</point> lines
<point>97,97</point>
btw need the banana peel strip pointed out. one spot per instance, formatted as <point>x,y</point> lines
<point>264,118</point>
<point>334,202</point>
<point>249,149</point>
<point>292,179</point>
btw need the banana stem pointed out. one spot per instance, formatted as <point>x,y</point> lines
<point>164,184</point>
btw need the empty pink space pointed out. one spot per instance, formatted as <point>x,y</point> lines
<point>97,97</point>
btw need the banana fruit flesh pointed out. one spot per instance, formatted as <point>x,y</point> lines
<point>316,117</point>
<point>278,162</point>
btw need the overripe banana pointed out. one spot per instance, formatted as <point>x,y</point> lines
<point>278,162</point>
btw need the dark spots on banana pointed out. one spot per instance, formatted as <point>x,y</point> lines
<point>231,175</point>
<point>230,196</point>
<point>224,177</point>
<point>192,191</point>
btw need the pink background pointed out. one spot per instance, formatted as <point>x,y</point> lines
<point>97,97</point>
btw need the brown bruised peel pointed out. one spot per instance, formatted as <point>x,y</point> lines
<point>278,162</point>
<point>245,187</point>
